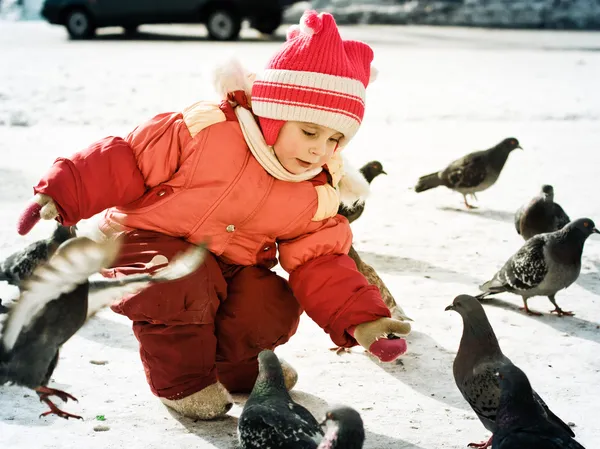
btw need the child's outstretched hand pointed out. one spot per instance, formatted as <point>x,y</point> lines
<point>42,206</point>
<point>381,337</point>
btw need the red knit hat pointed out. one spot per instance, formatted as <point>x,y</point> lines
<point>316,77</point>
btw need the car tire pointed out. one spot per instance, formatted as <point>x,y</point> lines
<point>79,24</point>
<point>223,25</point>
<point>268,22</point>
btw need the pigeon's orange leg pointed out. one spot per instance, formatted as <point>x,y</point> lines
<point>44,393</point>
<point>558,310</point>
<point>482,445</point>
<point>527,310</point>
<point>468,206</point>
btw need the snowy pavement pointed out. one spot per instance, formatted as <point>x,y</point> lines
<point>440,93</point>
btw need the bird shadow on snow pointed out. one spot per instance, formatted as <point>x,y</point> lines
<point>590,280</point>
<point>426,356</point>
<point>318,407</point>
<point>109,333</point>
<point>490,214</point>
<point>223,433</point>
<point>588,330</point>
<point>408,266</point>
<point>21,407</point>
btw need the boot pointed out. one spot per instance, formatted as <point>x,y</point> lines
<point>212,402</point>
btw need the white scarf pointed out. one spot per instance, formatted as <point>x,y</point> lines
<point>264,153</point>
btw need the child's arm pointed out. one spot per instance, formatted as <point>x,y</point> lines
<point>110,172</point>
<point>331,290</point>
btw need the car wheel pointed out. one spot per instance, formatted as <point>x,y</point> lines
<point>223,25</point>
<point>268,22</point>
<point>79,24</point>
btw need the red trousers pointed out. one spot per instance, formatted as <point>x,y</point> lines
<point>207,326</point>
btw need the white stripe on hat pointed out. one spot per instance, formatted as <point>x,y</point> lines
<point>333,83</point>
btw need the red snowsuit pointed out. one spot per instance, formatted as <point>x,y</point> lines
<point>185,178</point>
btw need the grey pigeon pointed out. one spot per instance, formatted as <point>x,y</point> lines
<point>545,264</point>
<point>271,418</point>
<point>519,423</point>
<point>540,215</point>
<point>370,171</point>
<point>53,305</point>
<point>344,429</point>
<point>19,265</point>
<point>472,173</point>
<point>477,361</point>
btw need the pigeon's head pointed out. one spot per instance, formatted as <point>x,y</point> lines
<point>510,144</point>
<point>372,169</point>
<point>582,227</point>
<point>269,368</point>
<point>548,191</point>
<point>344,428</point>
<point>64,233</point>
<point>465,305</point>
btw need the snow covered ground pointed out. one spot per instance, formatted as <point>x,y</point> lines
<point>440,93</point>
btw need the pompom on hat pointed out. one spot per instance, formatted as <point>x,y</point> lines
<point>316,77</point>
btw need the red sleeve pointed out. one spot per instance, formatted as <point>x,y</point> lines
<point>337,296</point>
<point>101,176</point>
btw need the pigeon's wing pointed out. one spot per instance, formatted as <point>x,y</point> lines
<point>261,426</point>
<point>551,417</point>
<point>467,172</point>
<point>69,268</point>
<point>524,271</point>
<point>482,391</point>
<point>311,425</point>
<point>561,219</point>
<point>532,437</point>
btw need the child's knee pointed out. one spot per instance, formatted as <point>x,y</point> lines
<point>260,313</point>
<point>178,360</point>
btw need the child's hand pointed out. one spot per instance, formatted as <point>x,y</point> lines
<point>381,337</point>
<point>42,206</point>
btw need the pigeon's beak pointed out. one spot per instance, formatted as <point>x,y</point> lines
<point>450,307</point>
<point>519,147</point>
<point>383,172</point>
<point>595,231</point>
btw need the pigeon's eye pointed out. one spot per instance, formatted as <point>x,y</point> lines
<point>586,224</point>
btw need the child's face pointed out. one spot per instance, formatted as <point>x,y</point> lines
<point>302,146</point>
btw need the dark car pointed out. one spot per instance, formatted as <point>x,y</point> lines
<point>223,18</point>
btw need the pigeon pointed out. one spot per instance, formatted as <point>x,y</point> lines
<point>19,265</point>
<point>344,429</point>
<point>545,264</point>
<point>477,361</point>
<point>540,215</point>
<point>472,173</point>
<point>370,171</point>
<point>52,306</point>
<point>519,423</point>
<point>271,418</point>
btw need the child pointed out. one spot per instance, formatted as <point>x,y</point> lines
<point>258,172</point>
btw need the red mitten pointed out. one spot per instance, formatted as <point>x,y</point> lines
<point>382,337</point>
<point>42,206</point>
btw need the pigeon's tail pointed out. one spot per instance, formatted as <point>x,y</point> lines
<point>74,261</point>
<point>104,291</point>
<point>491,288</point>
<point>428,182</point>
